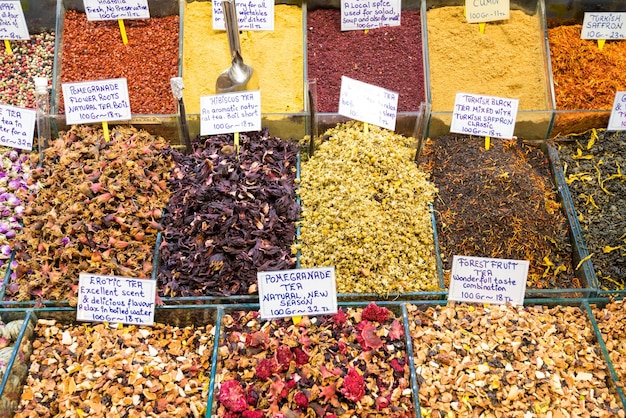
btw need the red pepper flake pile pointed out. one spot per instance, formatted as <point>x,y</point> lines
<point>500,203</point>
<point>93,50</point>
<point>327,366</point>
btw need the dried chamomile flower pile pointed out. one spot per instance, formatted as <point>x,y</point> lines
<point>231,215</point>
<point>100,370</point>
<point>351,364</point>
<point>612,324</point>
<point>365,210</point>
<point>97,211</point>
<point>16,183</point>
<point>499,360</point>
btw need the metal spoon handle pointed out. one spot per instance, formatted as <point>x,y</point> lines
<point>232,27</point>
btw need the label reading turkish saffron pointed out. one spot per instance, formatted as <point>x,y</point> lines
<point>230,112</point>
<point>604,25</point>
<point>480,115</point>
<point>488,280</point>
<point>369,14</point>
<point>12,22</point>
<point>617,121</point>
<point>116,9</point>
<point>96,101</point>
<point>298,292</point>
<point>368,103</point>
<point>251,15</point>
<point>477,11</point>
<point>17,126</point>
<point>115,299</point>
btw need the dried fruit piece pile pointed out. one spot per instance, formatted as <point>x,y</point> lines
<point>353,363</point>
<point>612,324</point>
<point>365,210</point>
<point>503,360</point>
<point>231,215</point>
<point>97,211</point>
<point>117,371</point>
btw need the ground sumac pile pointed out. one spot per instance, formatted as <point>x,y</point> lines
<point>231,215</point>
<point>500,203</point>
<point>388,57</point>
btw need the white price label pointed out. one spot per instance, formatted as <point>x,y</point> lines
<point>617,121</point>
<point>114,10</point>
<point>477,11</point>
<point>230,112</point>
<point>17,126</point>
<point>251,15</point>
<point>475,114</point>
<point>12,21</point>
<point>368,103</point>
<point>96,101</point>
<point>369,14</point>
<point>604,25</point>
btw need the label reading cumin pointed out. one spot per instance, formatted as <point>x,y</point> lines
<point>486,10</point>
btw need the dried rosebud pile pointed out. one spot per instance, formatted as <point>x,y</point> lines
<point>98,211</point>
<point>15,184</point>
<point>350,364</point>
<point>505,361</point>
<point>97,371</point>
<point>365,210</point>
<point>612,324</point>
<point>230,215</point>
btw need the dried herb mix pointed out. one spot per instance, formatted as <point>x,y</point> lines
<point>98,210</point>
<point>509,361</point>
<point>500,203</point>
<point>230,215</point>
<point>352,364</point>
<point>366,212</point>
<point>593,164</point>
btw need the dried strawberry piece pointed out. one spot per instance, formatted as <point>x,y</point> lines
<point>339,318</point>
<point>373,312</point>
<point>301,400</point>
<point>284,356</point>
<point>301,356</point>
<point>232,396</point>
<point>396,365</point>
<point>252,414</point>
<point>353,386</point>
<point>265,368</point>
<point>382,403</point>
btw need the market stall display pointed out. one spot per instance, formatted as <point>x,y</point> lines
<point>611,320</point>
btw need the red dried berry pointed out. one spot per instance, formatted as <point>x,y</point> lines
<point>376,313</point>
<point>301,400</point>
<point>339,318</point>
<point>353,386</point>
<point>265,368</point>
<point>232,396</point>
<point>284,356</point>
<point>396,366</point>
<point>252,414</point>
<point>301,356</point>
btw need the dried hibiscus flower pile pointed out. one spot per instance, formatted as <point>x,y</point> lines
<point>97,211</point>
<point>353,363</point>
<point>230,216</point>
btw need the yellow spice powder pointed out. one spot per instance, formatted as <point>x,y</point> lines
<point>277,56</point>
<point>506,61</point>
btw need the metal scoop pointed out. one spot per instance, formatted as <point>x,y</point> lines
<point>239,76</point>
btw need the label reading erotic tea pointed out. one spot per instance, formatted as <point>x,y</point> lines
<point>118,9</point>
<point>230,112</point>
<point>368,103</point>
<point>96,101</point>
<point>604,25</point>
<point>251,15</point>
<point>12,22</point>
<point>488,280</point>
<point>286,293</point>
<point>115,299</point>
<point>475,114</point>
<point>477,11</point>
<point>17,126</point>
<point>369,14</point>
<point>617,121</point>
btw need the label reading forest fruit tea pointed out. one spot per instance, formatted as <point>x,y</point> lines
<point>16,127</point>
<point>297,292</point>
<point>604,25</point>
<point>369,14</point>
<point>96,101</point>
<point>251,15</point>
<point>119,9</point>
<point>368,103</point>
<point>617,121</point>
<point>115,299</point>
<point>488,280</point>
<point>230,112</point>
<point>477,11</point>
<point>480,115</point>
<point>12,22</point>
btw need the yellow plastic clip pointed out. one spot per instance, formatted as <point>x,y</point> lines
<point>296,319</point>
<point>7,47</point>
<point>601,43</point>
<point>120,22</point>
<point>105,130</point>
<point>487,143</point>
<point>481,27</point>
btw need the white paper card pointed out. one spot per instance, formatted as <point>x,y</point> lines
<point>115,299</point>
<point>251,15</point>
<point>17,126</point>
<point>604,25</point>
<point>230,112</point>
<point>12,22</point>
<point>96,101</point>
<point>118,9</point>
<point>475,114</point>
<point>617,121</point>
<point>368,103</point>
<point>477,11</point>
<point>488,280</point>
<point>369,14</point>
<point>297,292</point>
